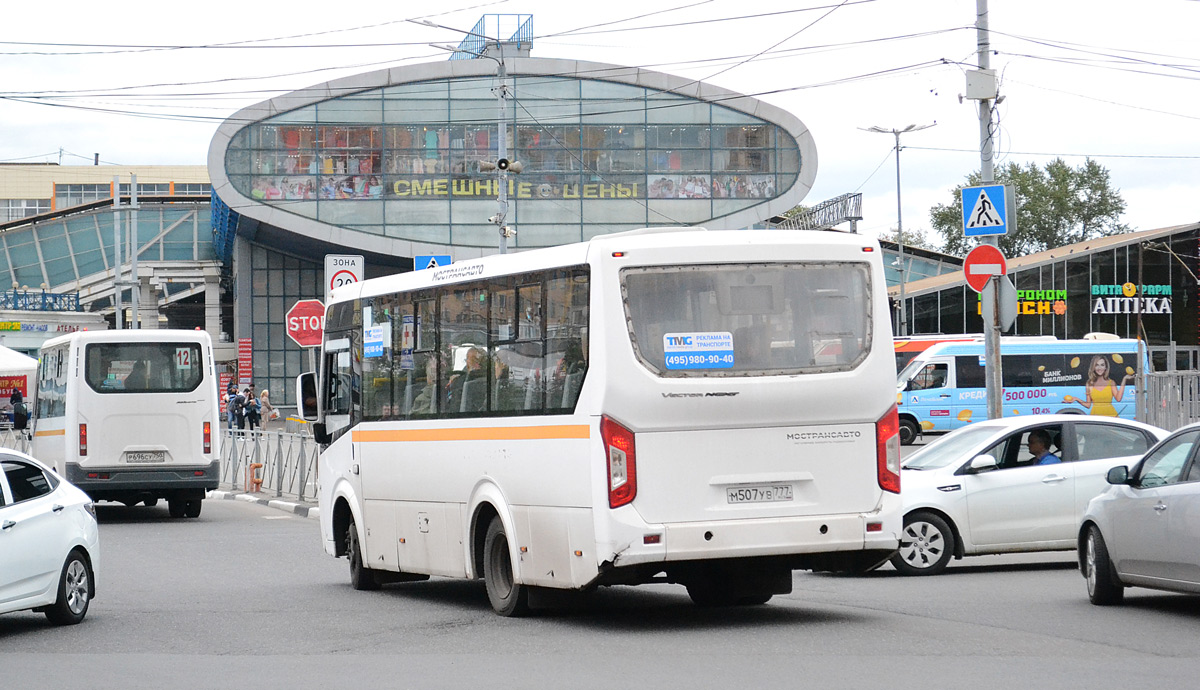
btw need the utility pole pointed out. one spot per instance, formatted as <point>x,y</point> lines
<point>994,370</point>
<point>903,330</point>
<point>135,298</point>
<point>118,307</point>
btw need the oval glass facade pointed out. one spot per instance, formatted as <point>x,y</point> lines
<point>599,156</point>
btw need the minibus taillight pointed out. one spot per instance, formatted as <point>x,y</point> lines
<point>622,462</point>
<point>887,450</point>
<point>207,438</point>
<point>82,440</point>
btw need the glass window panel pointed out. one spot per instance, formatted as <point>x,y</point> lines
<point>723,115</point>
<point>680,211</point>
<point>548,113</point>
<point>305,115</point>
<point>351,109</point>
<point>474,235</point>
<point>473,88</point>
<point>614,211</point>
<point>417,212</point>
<point>659,111</point>
<point>531,88</point>
<point>414,111</point>
<point>430,90</point>
<point>439,234</point>
<point>350,211</point>
<point>548,211</point>
<point>592,88</point>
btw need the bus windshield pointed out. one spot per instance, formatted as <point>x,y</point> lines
<point>139,367</point>
<point>749,319</point>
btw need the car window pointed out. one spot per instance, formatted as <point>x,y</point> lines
<point>26,481</point>
<point>1097,441</point>
<point>932,376</point>
<point>1014,450</point>
<point>1165,464</point>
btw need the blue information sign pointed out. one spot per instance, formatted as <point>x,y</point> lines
<point>698,350</point>
<point>984,211</point>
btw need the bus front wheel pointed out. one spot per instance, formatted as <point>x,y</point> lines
<point>908,431</point>
<point>508,598</point>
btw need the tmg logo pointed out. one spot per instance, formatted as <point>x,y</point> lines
<point>679,340</point>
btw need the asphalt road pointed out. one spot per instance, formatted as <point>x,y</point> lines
<point>244,596</point>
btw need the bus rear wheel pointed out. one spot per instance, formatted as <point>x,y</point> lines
<point>361,577</point>
<point>508,598</point>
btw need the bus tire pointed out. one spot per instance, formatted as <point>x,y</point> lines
<point>909,429</point>
<point>150,502</point>
<point>191,508</point>
<point>74,591</point>
<point>507,596</point>
<point>177,507</point>
<point>361,577</point>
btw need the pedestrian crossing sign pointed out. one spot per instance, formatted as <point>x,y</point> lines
<point>985,210</point>
<point>421,261</point>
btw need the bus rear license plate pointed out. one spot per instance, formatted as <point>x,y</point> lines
<point>759,494</point>
<point>146,456</point>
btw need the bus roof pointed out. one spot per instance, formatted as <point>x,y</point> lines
<point>1033,346</point>
<point>601,245</point>
<point>131,335</point>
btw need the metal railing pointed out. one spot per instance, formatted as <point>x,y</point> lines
<point>1172,399</point>
<point>14,440</point>
<point>275,463</point>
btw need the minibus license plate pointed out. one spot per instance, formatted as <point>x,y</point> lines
<point>759,494</point>
<point>145,456</point>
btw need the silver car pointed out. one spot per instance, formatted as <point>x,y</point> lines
<point>49,541</point>
<point>1144,530</point>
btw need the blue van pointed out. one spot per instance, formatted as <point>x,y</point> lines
<point>944,388</point>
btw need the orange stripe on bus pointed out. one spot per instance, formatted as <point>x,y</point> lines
<point>499,433</point>
<point>51,432</point>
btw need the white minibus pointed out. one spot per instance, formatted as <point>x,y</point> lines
<point>131,415</point>
<point>713,409</point>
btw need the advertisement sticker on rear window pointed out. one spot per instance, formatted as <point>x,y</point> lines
<point>698,350</point>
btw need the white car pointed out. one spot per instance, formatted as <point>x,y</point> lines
<point>980,489</point>
<point>1145,530</point>
<point>49,541</point>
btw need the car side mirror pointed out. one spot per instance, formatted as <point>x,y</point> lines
<point>983,463</point>
<point>1118,475</point>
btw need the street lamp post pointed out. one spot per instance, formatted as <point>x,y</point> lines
<point>899,214</point>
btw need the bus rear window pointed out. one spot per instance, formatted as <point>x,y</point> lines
<point>143,367</point>
<point>749,319</point>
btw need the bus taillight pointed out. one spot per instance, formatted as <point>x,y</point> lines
<point>207,438</point>
<point>82,440</point>
<point>887,450</point>
<point>622,462</point>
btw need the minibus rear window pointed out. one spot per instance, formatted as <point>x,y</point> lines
<point>760,319</point>
<point>143,367</point>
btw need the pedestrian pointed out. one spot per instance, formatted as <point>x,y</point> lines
<point>266,409</point>
<point>251,409</point>
<point>239,409</point>
<point>230,399</point>
<point>20,412</point>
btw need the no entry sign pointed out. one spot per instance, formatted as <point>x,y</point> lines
<point>981,264</point>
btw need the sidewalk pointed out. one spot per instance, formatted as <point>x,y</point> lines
<point>305,510</point>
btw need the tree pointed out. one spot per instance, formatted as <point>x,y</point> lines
<point>912,238</point>
<point>1056,205</point>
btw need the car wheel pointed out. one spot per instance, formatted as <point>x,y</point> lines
<point>74,592</point>
<point>361,577</point>
<point>508,598</point>
<point>192,507</point>
<point>908,431</point>
<point>176,507</point>
<point>926,545</point>
<point>1103,586</point>
<point>150,502</point>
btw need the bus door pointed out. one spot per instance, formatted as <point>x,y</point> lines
<point>929,394</point>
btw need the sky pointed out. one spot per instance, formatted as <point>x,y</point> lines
<point>1114,81</point>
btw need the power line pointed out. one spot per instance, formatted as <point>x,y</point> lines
<point>1067,155</point>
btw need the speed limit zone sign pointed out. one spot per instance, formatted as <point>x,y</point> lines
<point>341,270</point>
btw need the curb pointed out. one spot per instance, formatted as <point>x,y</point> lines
<point>304,510</point>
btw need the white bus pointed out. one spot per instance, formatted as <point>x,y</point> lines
<point>713,409</point>
<point>131,415</point>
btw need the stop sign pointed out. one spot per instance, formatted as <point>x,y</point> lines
<point>981,264</point>
<point>306,322</point>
